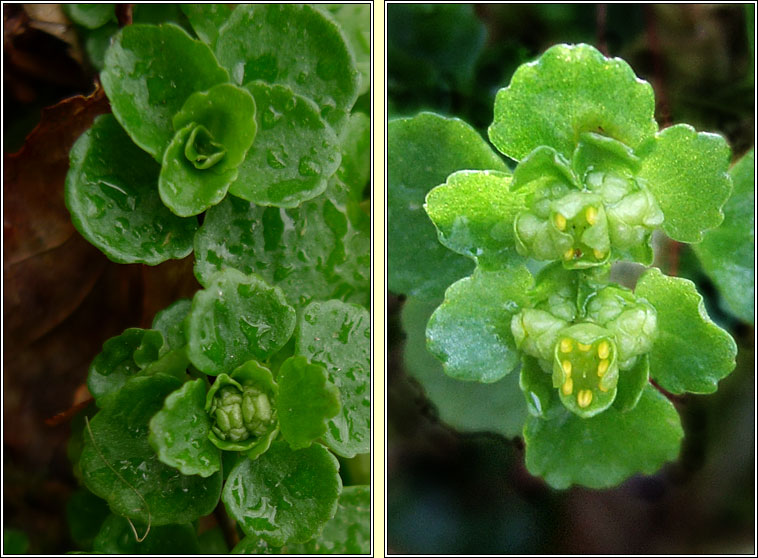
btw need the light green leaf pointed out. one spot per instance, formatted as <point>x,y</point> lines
<point>116,537</point>
<point>687,173</point>
<point>338,336</point>
<point>471,331</point>
<point>465,406</point>
<point>632,383</point>
<point>691,353</point>
<point>284,495</point>
<point>727,252</point>
<point>604,450</point>
<point>569,90</point>
<point>422,152</point>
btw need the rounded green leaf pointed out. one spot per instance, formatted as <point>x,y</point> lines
<point>604,450</point>
<point>206,19</point>
<point>90,16</point>
<point>727,252</point>
<point>306,401</point>
<point>284,495</point>
<point>150,71</point>
<point>179,432</point>
<point>569,90</point>
<point>119,465</point>
<point>237,318</point>
<point>422,152</point>
<point>355,22</point>
<point>355,168</point>
<point>113,200</point>
<point>465,406</point>
<point>294,153</point>
<point>293,45</point>
<point>337,335</point>
<point>474,213</point>
<point>690,353</point>
<point>116,537</point>
<point>687,173</point>
<point>170,322</point>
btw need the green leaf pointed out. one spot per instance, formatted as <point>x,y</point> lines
<point>170,322</point>
<point>541,397</point>
<point>254,545</point>
<point>355,21</point>
<point>727,252</point>
<point>317,251</point>
<point>355,169</point>
<point>306,401</point>
<point>422,152</point>
<point>687,172</point>
<point>117,362</point>
<point>284,495</point>
<point>631,384</point>
<point>294,153</point>
<point>85,513</point>
<point>569,90</point>
<point>338,336</point>
<point>465,406</point>
<point>212,541</point>
<point>150,71</point>
<point>471,330</point>
<point>116,537</point>
<point>179,432</point>
<point>206,19</point>
<point>691,353</point>
<point>604,450</point>
<point>237,318</point>
<point>474,213</point>
<point>113,200</point>
<point>15,541</point>
<point>90,16</point>
<point>119,465</point>
<point>293,45</point>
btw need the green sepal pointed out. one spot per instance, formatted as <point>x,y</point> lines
<point>603,451</point>
<point>117,537</point>
<point>284,495</point>
<point>294,154</point>
<point>150,71</point>
<point>306,401</point>
<point>631,384</point>
<point>170,322</point>
<point>560,292</point>
<point>536,332</point>
<point>471,330</point>
<point>690,353</point>
<point>179,432</point>
<point>537,386</point>
<point>236,318</point>
<point>687,173</point>
<point>111,194</point>
<point>569,90</point>
<point>474,213</point>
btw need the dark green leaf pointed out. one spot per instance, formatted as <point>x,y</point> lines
<point>355,169</point>
<point>207,19</point>
<point>170,322</point>
<point>254,545</point>
<point>114,203</point>
<point>212,541</point>
<point>284,495</point>
<point>116,537</point>
<point>90,16</point>
<point>85,513</point>
<point>338,335</point>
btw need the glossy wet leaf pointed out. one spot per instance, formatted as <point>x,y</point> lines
<point>569,90</point>
<point>294,154</point>
<point>465,406</point>
<point>687,173</point>
<point>117,362</point>
<point>317,251</point>
<point>206,19</point>
<point>170,322</point>
<point>474,213</point>
<point>727,252</point>
<point>284,495</point>
<point>604,450</point>
<point>355,168</point>
<point>150,71</point>
<point>179,432</point>
<point>111,193</point>
<point>90,16</point>
<point>293,45</point>
<point>237,318</point>
<point>306,401</point>
<point>422,152</point>
<point>338,336</point>
<point>116,537</point>
<point>118,441</point>
<point>690,353</point>
<point>355,21</point>
<point>85,513</point>
<point>470,332</point>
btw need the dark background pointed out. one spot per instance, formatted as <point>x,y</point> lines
<point>452,492</point>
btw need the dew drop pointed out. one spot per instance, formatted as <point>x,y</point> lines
<point>270,117</point>
<point>276,158</point>
<point>308,167</point>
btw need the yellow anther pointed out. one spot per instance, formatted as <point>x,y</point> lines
<point>591,215</point>
<point>566,345</point>
<point>567,367</point>
<point>603,349</point>
<point>583,347</point>
<point>602,368</point>
<point>560,222</point>
<point>584,397</point>
<point>567,387</point>
<point>568,254</point>
<point>599,255</point>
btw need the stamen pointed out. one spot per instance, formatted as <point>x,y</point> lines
<point>602,368</point>
<point>566,345</point>
<point>568,254</point>
<point>567,367</point>
<point>591,215</point>
<point>583,347</point>
<point>560,222</point>
<point>567,387</point>
<point>584,398</point>
<point>603,349</point>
